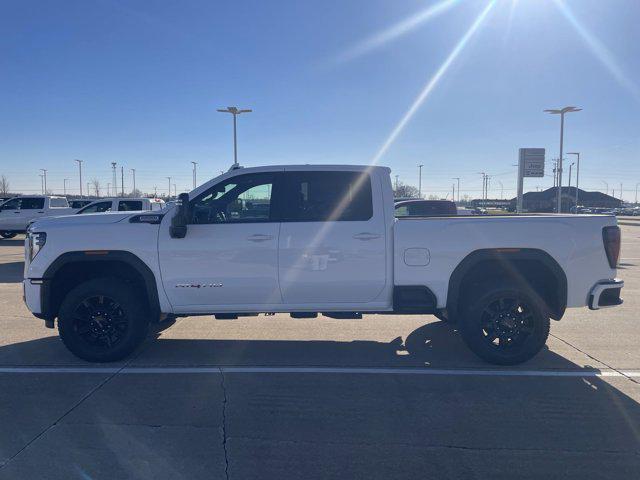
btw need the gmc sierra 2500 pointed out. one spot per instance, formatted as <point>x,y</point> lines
<point>309,239</point>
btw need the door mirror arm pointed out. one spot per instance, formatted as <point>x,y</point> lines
<point>180,220</point>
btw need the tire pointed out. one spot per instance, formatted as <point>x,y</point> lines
<point>7,234</point>
<point>505,325</point>
<point>102,320</point>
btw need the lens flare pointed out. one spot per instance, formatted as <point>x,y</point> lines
<point>431,84</point>
<point>598,49</point>
<point>395,31</point>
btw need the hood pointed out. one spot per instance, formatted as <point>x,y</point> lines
<point>80,220</point>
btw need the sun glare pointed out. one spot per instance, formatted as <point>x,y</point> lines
<point>395,31</point>
<point>433,81</point>
<point>599,50</point>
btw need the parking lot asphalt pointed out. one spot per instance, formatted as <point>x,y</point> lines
<point>275,397</point>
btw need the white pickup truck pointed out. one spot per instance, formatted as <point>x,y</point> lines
<point>16,213</point>
<point>315,239</point>
<point>124,204</point>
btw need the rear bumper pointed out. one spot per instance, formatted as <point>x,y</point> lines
<point>605,294</point>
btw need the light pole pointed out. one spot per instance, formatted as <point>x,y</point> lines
<point>420,181</point>
<point>169,194</point>
<point>80,169</point>
<point>636,201</point>
<point>606,187</point>
<point>175,190</point>
<point>484,182</point>
<point>235,111</point>
<point>570,168</point>
<point>194,174</point>
<point>44,176</point>
<point>133,171</point>
<point>561,112</point>
<point>458,180</point>
<point>115,178</point>
<point>397,183</point>
<point>64,186</point>
<point>501,189</point>
<point>577,154</point>
<point>108,189</point>
<point>620,188</point>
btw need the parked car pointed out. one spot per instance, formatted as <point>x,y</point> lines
<point>16,213</point>
<point>123,204</point>
<point>315,239</point>
<point>425,208</point>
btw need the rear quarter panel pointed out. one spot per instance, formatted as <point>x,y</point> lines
<point>575,242</point>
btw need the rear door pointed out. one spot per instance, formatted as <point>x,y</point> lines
<point>332,239</point>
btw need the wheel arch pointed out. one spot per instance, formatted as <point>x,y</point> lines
<point>83,265</point>
<point>546,276</point>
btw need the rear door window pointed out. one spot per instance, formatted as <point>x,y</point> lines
<point>32,203</point>
<point>129,205</point>
<point>59,202</point>
<point>328,196</point>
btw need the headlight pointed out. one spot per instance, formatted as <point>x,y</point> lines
<point>35,242</point>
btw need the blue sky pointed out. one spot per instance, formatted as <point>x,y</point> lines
<point>138,83</point>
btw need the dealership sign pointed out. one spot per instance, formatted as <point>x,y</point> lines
<point>532,162</point>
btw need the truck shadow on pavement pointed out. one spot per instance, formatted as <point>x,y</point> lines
<point>435,344</point>
<point>11,272</point>
<point>12,242</point>
<point>343,425</point>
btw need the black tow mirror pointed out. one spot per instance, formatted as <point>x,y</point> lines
<point>181,219</point>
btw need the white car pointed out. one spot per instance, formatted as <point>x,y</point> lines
<point>315,239</point>
<point>16,213</point>
<point>123,204</point>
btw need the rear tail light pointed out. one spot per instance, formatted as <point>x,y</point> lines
<point>611,238</point>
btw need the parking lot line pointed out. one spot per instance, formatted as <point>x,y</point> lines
<point>325,370</point>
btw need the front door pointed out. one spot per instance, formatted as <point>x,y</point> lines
<point>332,240</point>
<point>228,260</point>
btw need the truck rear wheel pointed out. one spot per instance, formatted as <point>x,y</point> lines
<point>101,320</point>
<point>4,234</point>
<point>505,325</point>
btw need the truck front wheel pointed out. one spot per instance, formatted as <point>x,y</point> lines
<point>5,234</point>
<point>101,320</point>
<point>505,325</point>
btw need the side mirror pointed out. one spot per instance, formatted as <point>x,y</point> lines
<point>180,220</point>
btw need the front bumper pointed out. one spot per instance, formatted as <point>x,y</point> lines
<point>605,294</point>
<point>32,290</point>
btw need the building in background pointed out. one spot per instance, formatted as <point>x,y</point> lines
<point>545,201</point>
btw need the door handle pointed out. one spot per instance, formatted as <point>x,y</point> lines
<point>366,236</point>
<point>258,237</point>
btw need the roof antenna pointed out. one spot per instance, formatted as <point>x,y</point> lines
<point>235,111</point>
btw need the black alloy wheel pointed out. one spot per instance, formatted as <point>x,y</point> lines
<point>100,321</point>
<point>103,319</point>
<point>505,325</point>
<point>507,322</point>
